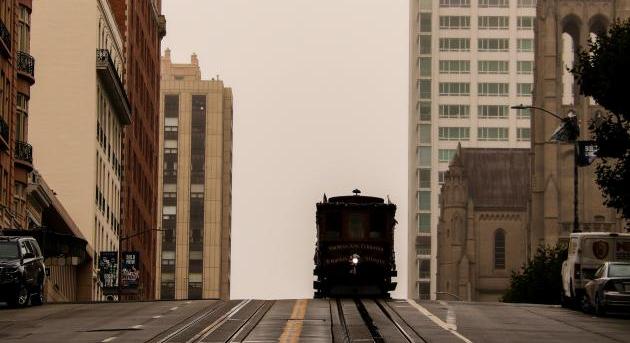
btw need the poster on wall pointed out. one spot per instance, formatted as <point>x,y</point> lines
<point>108,270</point>
<point>129,270</point>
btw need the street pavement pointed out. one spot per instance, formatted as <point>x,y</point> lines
<point>303,321</point>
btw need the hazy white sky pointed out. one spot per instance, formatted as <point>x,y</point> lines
<point>320,105</point>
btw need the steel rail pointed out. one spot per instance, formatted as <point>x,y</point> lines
<point>192,322</point>
<point>397,324</point>
<point>259,314</point>
<point>217,323</point>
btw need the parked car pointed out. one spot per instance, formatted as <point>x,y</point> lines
<point>610,288</point>
<point>22,271</point>
<point>587,252</point>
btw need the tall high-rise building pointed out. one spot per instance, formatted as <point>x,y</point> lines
<point>78,111</point>
<point>470,60</point>
<point>142,26</point>
<point>195,184</point>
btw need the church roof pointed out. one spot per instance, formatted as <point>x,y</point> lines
<point>498,178</point>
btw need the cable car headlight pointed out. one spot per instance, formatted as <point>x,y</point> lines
<point>354,259</point>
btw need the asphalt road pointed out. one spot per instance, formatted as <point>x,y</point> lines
<point>303,321</point>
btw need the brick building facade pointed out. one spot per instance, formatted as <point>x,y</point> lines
<point>143,27</point>
<point>17,75</point>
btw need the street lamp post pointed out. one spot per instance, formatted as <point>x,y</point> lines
<point>569,132</point>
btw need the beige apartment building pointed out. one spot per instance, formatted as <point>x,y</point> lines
<point>195,184</point>
<point>470,60</point>
<point>561,27</point>
<point>77,113</point>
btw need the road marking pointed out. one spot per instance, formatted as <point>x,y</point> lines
<point>437,320</point>
<point>108,339</point>
<point>451,319</point>
<point>156,317</point>
<point>136,326</point>
<point>174,308</point>
<point>293,327</point>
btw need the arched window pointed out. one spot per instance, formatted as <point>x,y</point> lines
<point>499,249</point>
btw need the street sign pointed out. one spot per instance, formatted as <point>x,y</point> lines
<point>587,153</point>
<point>108,271</point>
<point>130,270</point>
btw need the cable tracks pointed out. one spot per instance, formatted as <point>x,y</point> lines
<point>232,321</point>
<point>370,320</point>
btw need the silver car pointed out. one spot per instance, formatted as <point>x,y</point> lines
<point>610,288</point>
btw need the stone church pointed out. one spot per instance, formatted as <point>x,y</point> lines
<point>563,26</point>
<point>483,230</point>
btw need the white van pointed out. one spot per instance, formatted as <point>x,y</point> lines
<point>587,252</point>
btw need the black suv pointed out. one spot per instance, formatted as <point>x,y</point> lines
<point>22,271</point>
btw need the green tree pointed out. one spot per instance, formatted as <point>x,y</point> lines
<point>539,281</point>
<point>603,72</point>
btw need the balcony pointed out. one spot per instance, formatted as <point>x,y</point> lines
<point>4,134</point>
<point>24,155</point>
<point>26,66</point>
<point>107,73</point>
<point>161,26</point>
<point>5,40</point>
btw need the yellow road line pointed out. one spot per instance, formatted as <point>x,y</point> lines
<point>293,327</point>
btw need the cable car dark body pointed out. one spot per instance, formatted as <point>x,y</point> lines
<point>354,253</point>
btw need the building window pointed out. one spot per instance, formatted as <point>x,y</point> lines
<point>525,67</point>
<point>493,67</point>
<point>525,113</point>
<point>454,44</point>
<point>454,3</point>
<point>493,44</point>
<point>455,111</point>
<point>425,22</point>
<point>424,133</point>
<point>424,266</point>
<point>424,222</point>
<point>424,110</point>
<point>524,89</point>
<point>446,155</point>
<point>454,22</point>
<point>523,134</point>
<point>171,106</point>
<point>493,89</point>
<point>424,200</point>
<point>493,111</point>
<point>525,23</point>
<point>454,67</point>
<point>424,44</point>
<point>454,88</point>
<point>423,247</point>
<point>424,89</point>
<point>424,156</point>
<point>499,249</point>
<point>168,258</point>
<point>424,65</point>
<point>526,4</point>
<point>454,133</point>
<point>424,178</point>
<point>441,177</point>
<point>22,117</point>
<point>525,45</point>
<point>494,3</point>
<point>424,290</point>
<point>24,29</point>
<point>492,134</point>
<point>494,23</point>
